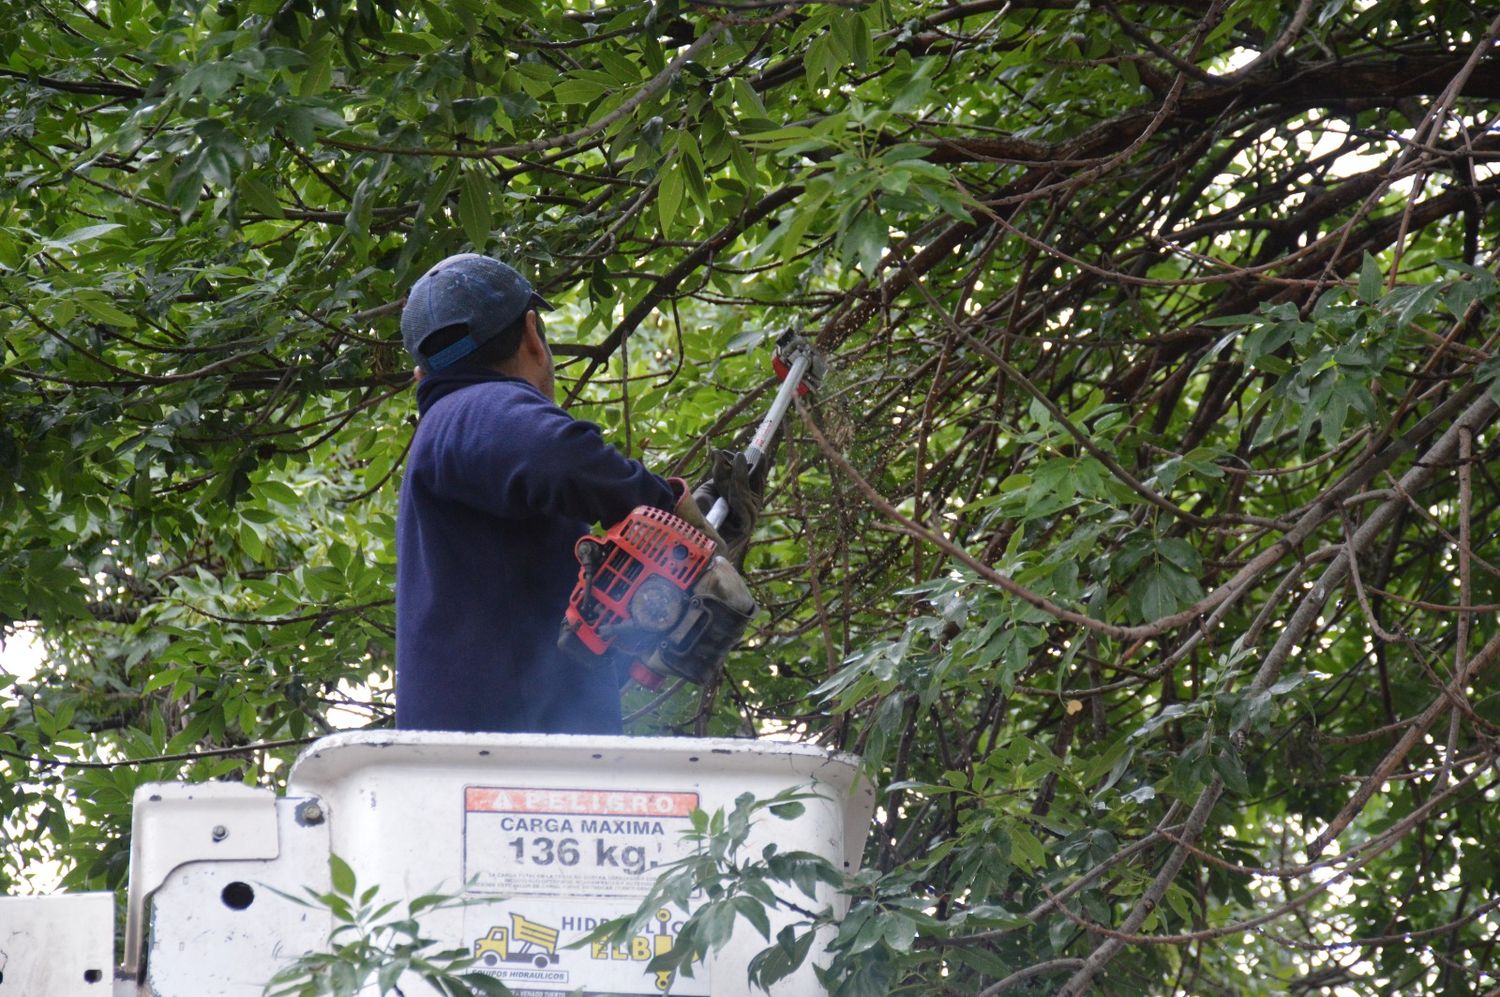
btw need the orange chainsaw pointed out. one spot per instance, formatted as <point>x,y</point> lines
<point>653,593</point>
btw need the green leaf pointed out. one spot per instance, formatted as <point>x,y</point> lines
<point>864,240</point>
<point>1026,851</point>
<point>820,62</point>
<point>669,194</point>
<point>750,103</point>
<point>912,96</point>
<point>1227,763</point>
<point>258,196</point>
<point>578,91</point>
<point>104,311</point>
<point>900,931</point>
<point>87,233</point>
<point>1371,280</point>
<point>474,209</point>
<point>782,959</point>
<point>342,875</point>
<point>754,912</point>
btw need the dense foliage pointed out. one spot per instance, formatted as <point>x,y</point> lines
<point>1141,536</point>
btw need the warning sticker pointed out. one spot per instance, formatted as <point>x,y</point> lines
<point>571,842</point>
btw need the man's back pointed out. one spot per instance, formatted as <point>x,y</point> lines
<point>499,484</point>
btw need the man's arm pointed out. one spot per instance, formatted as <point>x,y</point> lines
<point>507,450</point>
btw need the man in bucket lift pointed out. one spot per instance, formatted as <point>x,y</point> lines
<point>499,484</point>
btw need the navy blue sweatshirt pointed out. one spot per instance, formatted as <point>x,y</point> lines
<point>499,484</point>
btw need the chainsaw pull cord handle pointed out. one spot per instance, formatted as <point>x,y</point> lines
<point>588,553</point>
<point>756,451</point>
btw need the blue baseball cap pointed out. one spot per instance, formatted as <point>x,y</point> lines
<point>478,293</point>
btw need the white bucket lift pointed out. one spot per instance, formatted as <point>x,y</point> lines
<point>544,836</point>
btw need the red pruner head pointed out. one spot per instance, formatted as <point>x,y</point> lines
<point>789,348</point>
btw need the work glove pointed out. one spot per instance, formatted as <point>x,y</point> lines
<point>688,511</point>
<point>730,478</point>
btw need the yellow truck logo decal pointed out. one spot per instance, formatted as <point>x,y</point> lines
<point>525,941</point>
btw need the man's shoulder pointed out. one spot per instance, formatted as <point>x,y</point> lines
<point>504,417</point>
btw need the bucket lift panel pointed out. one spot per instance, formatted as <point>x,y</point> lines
<point>543,836</point>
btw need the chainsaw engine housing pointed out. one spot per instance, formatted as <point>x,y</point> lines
<point>653,595</point>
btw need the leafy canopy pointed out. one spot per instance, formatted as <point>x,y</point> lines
<point>1140,538</point>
